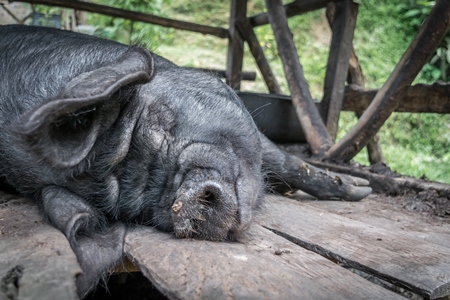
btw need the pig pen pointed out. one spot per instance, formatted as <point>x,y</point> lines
<point>296,249</point>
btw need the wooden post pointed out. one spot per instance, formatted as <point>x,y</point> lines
<point>343,26</point>
<point>238,10</point>
<point>248,34</point>
<point>356,77</point>
<point>313,126</point>
<point>386,100</point>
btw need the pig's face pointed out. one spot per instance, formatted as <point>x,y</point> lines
<point>207,155</point>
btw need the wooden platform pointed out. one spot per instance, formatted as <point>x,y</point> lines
<point>296,250</point>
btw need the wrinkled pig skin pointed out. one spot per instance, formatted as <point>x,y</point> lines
<point>102,135</point>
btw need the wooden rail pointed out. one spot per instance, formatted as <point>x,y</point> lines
<point>292,9</point>
<point>132,15</point>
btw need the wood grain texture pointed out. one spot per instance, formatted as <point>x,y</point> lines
<point>413,263</point>
<point>261,266</point>
<point>385,212</point>
<point>49,267</point>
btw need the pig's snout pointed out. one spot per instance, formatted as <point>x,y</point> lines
<point>206,209</point>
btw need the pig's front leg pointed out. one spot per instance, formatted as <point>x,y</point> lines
<point>287,172</point>
<point>98,247</point>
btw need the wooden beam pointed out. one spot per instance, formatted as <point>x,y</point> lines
<point>385,102</point>
<point>343,26</point>
<point>313,126</point>
<point>235,57</point>
<point>275,117</point>
<point>248,34</point>
<point>355,76</point>
<point>132,15</point>
<point>411,99</point>
<point>292,9</point>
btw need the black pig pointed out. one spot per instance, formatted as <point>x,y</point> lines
<point>103,134</point>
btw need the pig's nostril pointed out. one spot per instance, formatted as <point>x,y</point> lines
<point>208,196</point>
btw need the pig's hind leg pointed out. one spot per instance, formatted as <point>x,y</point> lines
<point>98,247</point>
<point>286,173</point>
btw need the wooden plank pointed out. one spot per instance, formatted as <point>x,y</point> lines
<point>132,15</point>
<point>342,17</point>
<point>35,259</point>
<point>261,266</point>
<point>388,213</point>
<point>412,263</point>
<point>235,54</point>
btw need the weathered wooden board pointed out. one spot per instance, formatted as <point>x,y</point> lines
<point>36,261</point>
<point>415,264</point>
<point>261,266</point>
<point>384,213</point>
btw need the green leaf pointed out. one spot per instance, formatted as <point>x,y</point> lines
<point>412,13</point>
<point>436,73</point>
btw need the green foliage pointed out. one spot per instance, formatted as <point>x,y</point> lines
<point>413,13</point>
<point>127,31</point>
<point>417,144</point>
<point>124,31</point>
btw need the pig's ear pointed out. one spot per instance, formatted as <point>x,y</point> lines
<point>63,130</point>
